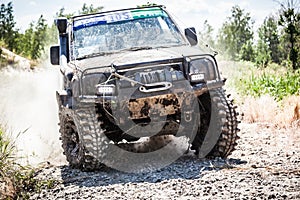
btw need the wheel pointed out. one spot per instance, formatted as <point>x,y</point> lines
<point>72,147</point>
<point>217,133</point>
<point>80,132</point>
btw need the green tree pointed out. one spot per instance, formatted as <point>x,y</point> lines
<point>263,53</point>
<point>290,19</point>
<point>85,9</point>
<point>284,46</point>
<point>235,33</point>
<point>31,44</point>
<point>268,45</point>
<point>89,9</point>
<point>23,41</point>
<point>247,52</point>
<point>206,35</point>
<point>146,5</point>
<point>52,33</point>
<point>7,25</point>
<point>39,38</point>
<point>61,13</point>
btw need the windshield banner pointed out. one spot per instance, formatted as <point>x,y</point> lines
<point>118,17</point>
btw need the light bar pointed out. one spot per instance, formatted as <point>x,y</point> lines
<point>108,90</point>
<point>197,77</point>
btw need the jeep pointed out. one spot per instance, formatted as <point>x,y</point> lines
<point>133,73</point>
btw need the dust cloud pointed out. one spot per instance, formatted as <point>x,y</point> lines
<point>28,108</point>
<point>29,111</point>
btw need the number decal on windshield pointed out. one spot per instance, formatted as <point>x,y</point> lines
<point>117,17</point>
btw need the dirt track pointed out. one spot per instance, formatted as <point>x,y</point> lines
<point>264,166</point>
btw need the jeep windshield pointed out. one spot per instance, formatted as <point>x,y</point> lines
<point>127,30</point>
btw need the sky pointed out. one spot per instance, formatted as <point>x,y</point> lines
<point>187,13</point>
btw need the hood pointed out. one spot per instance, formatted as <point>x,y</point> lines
<point>128,57</point>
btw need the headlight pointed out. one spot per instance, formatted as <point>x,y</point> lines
<point>106,90</point>
<point>89,82</point>
<point>202,69</point>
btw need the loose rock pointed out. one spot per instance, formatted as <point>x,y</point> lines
<point>264,166</point>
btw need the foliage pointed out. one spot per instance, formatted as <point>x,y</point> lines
<point>268,44</point>
<point>6,149</point>
<point>274,82</point>
<point>61,13</point>
<point>235,38</point>
<point>85,9</point>
<point>247,52</point>
<point>146,5</point>
<point>31,44</point>
<point>16,181</point>
<point>89,9</point>
<point>3,60</point>
<point>51,36</point>
<point>38,38</point>
<point>272,38</point>
<point>206,35</point>
<point>52,30</point>
<point>290,19</point>
<point>7,25</point>
<point>236,32</point>
<point>35,34</point>
<point>263,53</point>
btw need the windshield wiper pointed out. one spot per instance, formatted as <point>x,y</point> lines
<point>138,48</point>
<point>106,53</point>
<point>92,55</point>
<point>154,47</point>
<point>168,46</point>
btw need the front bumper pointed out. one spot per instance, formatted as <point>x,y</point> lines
<point>162,103</point>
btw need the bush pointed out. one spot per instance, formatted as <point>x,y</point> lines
<point>16,181</point>
<point>275,85</point>
<point>3,60</point>
<point>268,95</point>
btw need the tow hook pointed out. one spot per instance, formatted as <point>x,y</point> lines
<point>188,116</point>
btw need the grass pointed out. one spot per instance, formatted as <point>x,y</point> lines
<point>266,109</point>
<point>16,181</point>
<point>270,94</point>
<point>275,85</point>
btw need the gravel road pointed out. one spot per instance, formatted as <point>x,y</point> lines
<point>266,165</point>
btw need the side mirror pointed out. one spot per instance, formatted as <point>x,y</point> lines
<point>54,55</point>
<point>191,35</point>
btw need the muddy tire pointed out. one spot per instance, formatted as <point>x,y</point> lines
<point>81,134</point>
<point>218,130</point>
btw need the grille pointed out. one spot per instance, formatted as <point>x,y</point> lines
<point>152,77</point>
<point>156,76</point>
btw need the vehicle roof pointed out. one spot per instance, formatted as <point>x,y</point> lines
<point>118,10</point>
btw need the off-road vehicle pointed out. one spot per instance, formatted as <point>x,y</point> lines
<point>133,73</point>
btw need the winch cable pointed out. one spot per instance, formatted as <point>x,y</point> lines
<point>115,74</point>
<point>127,79</point>
<point>132,81</point>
